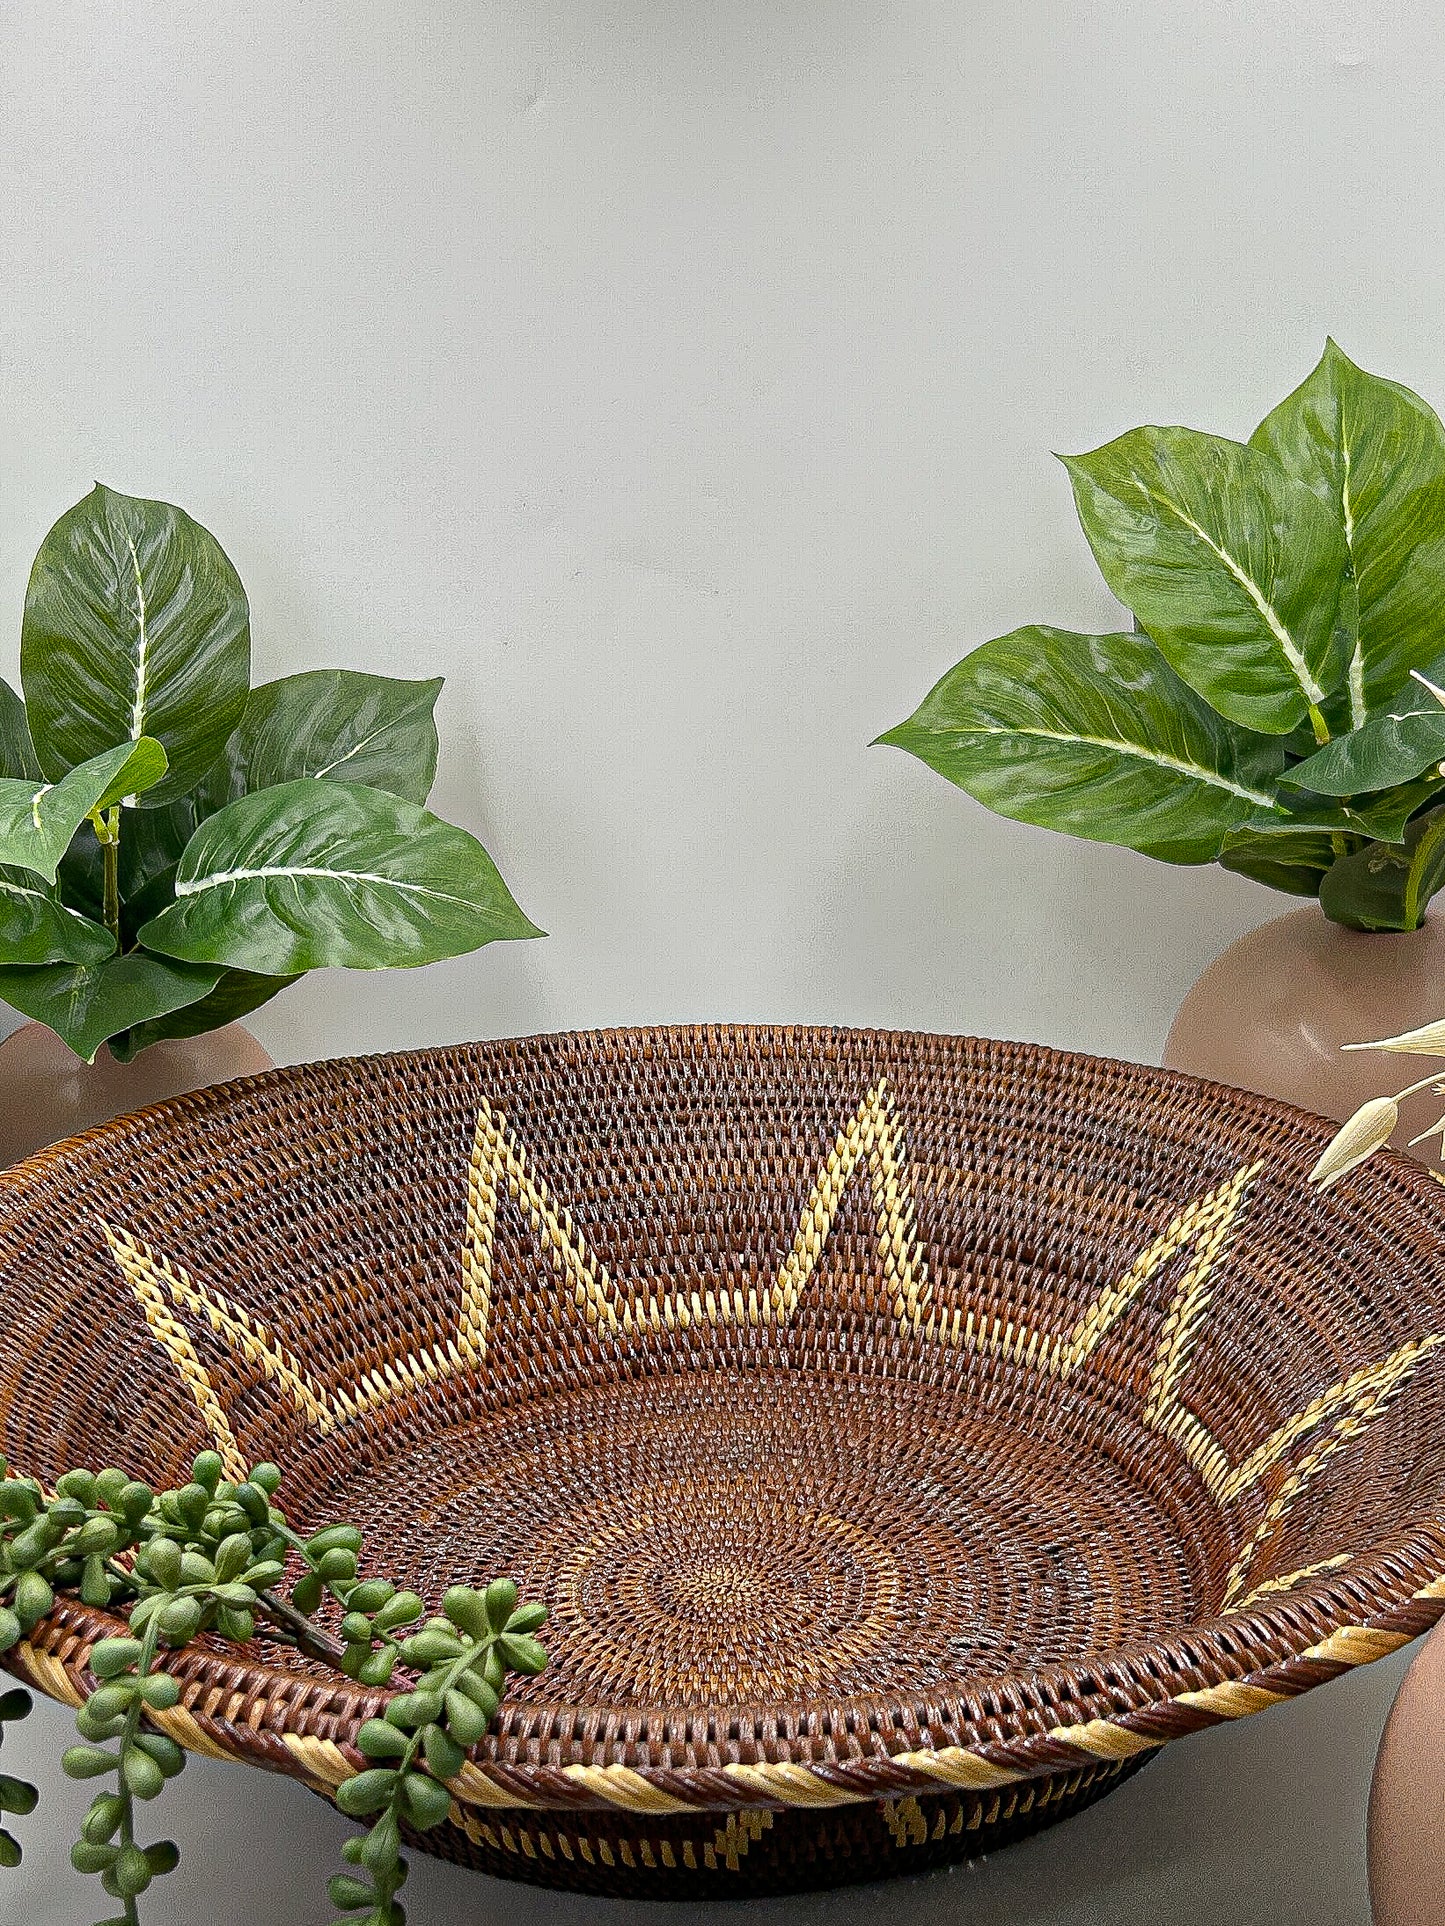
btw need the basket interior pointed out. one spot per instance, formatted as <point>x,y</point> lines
<point>789,1367</point>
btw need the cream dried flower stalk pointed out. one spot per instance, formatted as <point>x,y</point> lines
<point>1374,1122</point>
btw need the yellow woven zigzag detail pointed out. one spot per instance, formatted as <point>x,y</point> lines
<point>870,1144</point>
<point>872,1138</point>
<point>1359,1400</point>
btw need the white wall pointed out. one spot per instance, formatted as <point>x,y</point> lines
<point>680,378</point>
<point>681,381</point>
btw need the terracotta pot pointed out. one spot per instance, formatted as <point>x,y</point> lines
<point>1407,1836</point>
<point>1271,1013</point>
<point>47,1093</point>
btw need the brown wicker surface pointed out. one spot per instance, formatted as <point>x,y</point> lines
<point>909,1434</point>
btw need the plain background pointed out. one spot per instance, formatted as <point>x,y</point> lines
<point>680,379</point>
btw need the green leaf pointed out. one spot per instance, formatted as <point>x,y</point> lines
<point>37,821</point>
<point>1296,864</point>
<point>336,723</point>
<point>1095,736</point>
<point>36,927</point>
<point>236,995</point>
<point>311,875</point>
<point>135,625</point>
<point>1231,565</point>
<point>17,751</point>
<point>1381,817</point>
<point>88,1004</point>
<point>1384,751</point>
<point>1388,886</point>
<point>1375,453</point>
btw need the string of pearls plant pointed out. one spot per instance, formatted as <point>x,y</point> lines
<point>218,1559</point>
<point>1375,1122</point>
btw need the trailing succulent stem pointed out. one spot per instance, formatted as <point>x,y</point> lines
<point>211,1558</point>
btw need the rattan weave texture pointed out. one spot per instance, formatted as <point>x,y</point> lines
<point>909,1434</point>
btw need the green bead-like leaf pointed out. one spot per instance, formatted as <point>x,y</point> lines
<point>427,1803</point>
<point>313,875</point>
<point>376,1667</point>
<point>466,1720</point>
<point>1096,736</point>
<point>86,1004</point>
<point>444,1756</point>
<point>499,1601</point>
<point>1232,565</point>
<point>368,1792</point>
<point>520,1653</point>
<point>402,1608</point>
<point>143,1777</point>
<point>17,1796</point>
<point>86,1762</point>
<point>166,1753</point>
<point>34,1597</point>
<point>333,723</point>
<point>349,1895</point>
<point>103,1821</point>
<point>38,820</point>
<point>92,1857</point>
<point>527,1618</point>
<point>135,624</point>
<point>109,1657</point>
<point>378,1740</point>
<point>1375,453</point>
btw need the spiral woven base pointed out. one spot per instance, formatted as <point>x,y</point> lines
<point>907,1434</point>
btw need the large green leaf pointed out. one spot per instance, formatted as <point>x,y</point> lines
<point>1376,818</point>
<point>236,995</point>
<point>1232,566</point>
<point>1094,735</point>
<point>1385,750</point>
<point>1375,453</point>
<point>336,723</point>
<point>1294,862</point>
<point>37,821</point>
<point>1388,886</point>
<point>36,927</point>
<point>135,625</point>
<point>17,751</point>
<point>316,874</point>
<point>86,1005</point>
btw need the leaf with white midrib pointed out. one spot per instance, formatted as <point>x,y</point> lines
<point>1095,736</point>
<point>1233,567</point>
<point>313,874</point>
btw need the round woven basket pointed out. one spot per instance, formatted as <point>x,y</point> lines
<point>908,1434</point>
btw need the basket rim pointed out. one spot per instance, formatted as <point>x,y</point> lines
<point>1046,1719</point>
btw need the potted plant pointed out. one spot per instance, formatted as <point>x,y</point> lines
<point>1275,707</point>
<point>177,847</point>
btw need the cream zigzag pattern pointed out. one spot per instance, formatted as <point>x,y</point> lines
<point>870,1144</point>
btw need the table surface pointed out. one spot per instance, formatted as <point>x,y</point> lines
<point>1255,1824</point>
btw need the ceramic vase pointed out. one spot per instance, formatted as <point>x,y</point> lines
<point>1271,1013</point>
<point>47,1093</point>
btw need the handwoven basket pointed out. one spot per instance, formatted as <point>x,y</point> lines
<point>909,1434</point>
